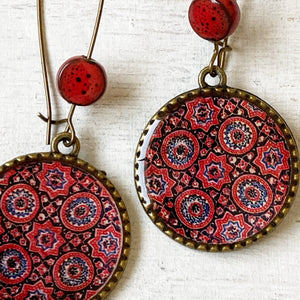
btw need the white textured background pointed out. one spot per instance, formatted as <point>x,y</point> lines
<point>151,54</point>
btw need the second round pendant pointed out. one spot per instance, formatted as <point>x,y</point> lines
<point>64,229</point>
<point>216,168</point>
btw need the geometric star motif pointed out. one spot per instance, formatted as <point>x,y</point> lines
<point>272,158</point>
<point>106,244</point>
<point>156,185</point>
<point>37,291</point>
<point>55,179</point>
<point>202,113</point>
<point>159,184</point>
<point>231,228</point>
<point>45,239</point>
<point>214,171</point>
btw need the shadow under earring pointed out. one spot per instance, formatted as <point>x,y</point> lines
<point>216,168</point>
<point>64,229</point>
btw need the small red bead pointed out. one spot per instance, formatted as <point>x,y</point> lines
<point>81,81</point>
<point>214,20</point>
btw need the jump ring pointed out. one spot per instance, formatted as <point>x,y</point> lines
<point>217,70</point>
<point>65,137</point>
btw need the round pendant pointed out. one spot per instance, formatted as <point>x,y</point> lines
<point>216,168</point>
<point>64,230</point>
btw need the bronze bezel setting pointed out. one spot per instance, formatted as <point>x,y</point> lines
<point>225,92</point>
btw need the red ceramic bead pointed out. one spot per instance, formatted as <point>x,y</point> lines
<point>81,81</point>
<point>214,20</point>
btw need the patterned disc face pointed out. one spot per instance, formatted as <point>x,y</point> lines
<point>61,231</point>
<point>216,170</point>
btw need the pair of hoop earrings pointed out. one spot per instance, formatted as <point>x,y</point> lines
<point>216,169</point>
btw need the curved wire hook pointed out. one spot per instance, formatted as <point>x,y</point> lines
<point>70,127</point>
<point>96,29</point>
<point>213,59</point>
<point>45,70</point>
<point>219,54</point>
<point>222,54</point>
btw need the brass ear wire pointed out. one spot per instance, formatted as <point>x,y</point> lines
<point>220,55</point>
<point>96,29</point>
<point>45,72</point>
<point>70,127</point>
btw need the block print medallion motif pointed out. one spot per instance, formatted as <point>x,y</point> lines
<point>217,170</point>
<point>180,149</point>
<point>61,233</point>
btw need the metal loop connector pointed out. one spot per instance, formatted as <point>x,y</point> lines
<point>65,137</point>
<point>218,71</point>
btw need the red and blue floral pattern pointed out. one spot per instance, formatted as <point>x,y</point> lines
<point>202,114</point>
<point>15,263</point>
<point>216,170</point>
<point>61,233</point>
<point>81,211</point>
<point>45,238</point>
<point>252,194</point>
<point>272,158</point>
<point>194,208</point>
<point>180,149</point>
<point>20,203</point>
<point>75,270</point>
<point>159,184</point>
<point>237,135</point>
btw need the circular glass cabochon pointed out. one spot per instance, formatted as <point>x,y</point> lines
<point>216,169</point>
<point>64,230</point>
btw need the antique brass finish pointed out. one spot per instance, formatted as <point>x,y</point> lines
<point>99,175</point>
<point>225,92</point>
